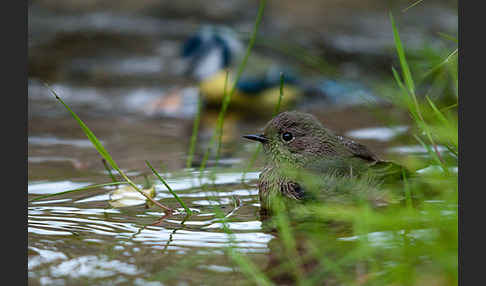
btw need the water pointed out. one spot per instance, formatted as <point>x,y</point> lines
<point>81,237</point>
<point>84,237</point>
<point>75,238</point>
<point>120,73</point>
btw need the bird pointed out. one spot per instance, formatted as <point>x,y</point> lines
<point>210,50</point>
<point>215,51</point>
<point>307,161</point>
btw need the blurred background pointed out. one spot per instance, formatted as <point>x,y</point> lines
<point>120,66</point>
<point>134,71</point>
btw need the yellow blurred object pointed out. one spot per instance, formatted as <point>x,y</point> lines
<point>212,90</point>
<point>209,121</point>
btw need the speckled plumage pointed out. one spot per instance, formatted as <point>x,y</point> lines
<point>313,149</point>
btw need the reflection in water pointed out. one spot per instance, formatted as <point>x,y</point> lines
<point>92,266</point>
<point>49,141</point>
<point>141,229</point>
<point>53,187</point>
<point>414,149</point>
<point>377,133</point>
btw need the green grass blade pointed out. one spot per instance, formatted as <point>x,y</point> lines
<point>108,169</point>
<point>448,37</point>
<point>88,133</point>
<point>437,112</point>
<point>218,131</point>
<point>242,66</point>
<point>245,265</point>
<point>447,60</point>
<point>412,5</point>
<point>407,75</point>
<point>227,99</point>
<point>79,190</point>
<point>402,87</point>
<point>188,211</point>
<point>103,151</point>
<point>195,129</point>
<point>277,107</point>
<point>407,190</point>
<point>433,153</point>
<point>248,267</point>
<point>398,79</point>
<point>148,184</point>
<point>219,128</point>
<point>252,161</point>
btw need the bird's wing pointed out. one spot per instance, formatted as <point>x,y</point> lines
<point>390,171</point>
<point>381,168</point>
<point>358,150</point>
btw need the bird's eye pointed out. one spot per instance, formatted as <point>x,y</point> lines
<point>287,136</point>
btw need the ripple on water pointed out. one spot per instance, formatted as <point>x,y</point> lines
<point>41,231</point>
<point>245,225</point>
<point>184,183</point>
<point>134,231</point>
<point>413,149</point>
<point>58,219</point>
<point>44,256</point>
<point>193,238</point>
<point>93,267</point>
<point>54,141</point>
<point>42,188</point>
<point>378,133</point>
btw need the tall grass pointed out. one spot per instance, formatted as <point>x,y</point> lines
<point>409,96</point>
<point>217,135</point>
<point>106,156</point>
<point>413,241</point>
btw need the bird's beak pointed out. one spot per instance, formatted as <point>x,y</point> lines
<point>256,137</point>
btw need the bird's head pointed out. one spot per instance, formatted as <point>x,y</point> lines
<point>295,138</point>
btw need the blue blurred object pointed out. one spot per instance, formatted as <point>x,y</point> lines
<point>256,84</point>
<point>213,50</point>
<point>346,92</point>
<point>339,92</point>
<point>210,50</point>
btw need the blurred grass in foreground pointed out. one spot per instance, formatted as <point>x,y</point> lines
<point>411,242</point>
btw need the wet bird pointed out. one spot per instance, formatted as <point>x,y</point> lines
<point>214,50</point>
<point>305,160</point>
